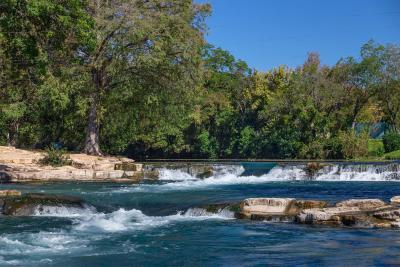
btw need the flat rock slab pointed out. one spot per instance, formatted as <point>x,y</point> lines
<point>362,204</point>
<point>276,208</point>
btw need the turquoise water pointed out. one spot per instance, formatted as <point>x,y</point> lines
<point>151,224</point>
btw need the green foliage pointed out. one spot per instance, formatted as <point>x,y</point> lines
<point>375,148</point>
<point>55,157</point>
<point>353,145</point>
<point>138,78</point>
<point>391,141</point>
<point>394,155</point>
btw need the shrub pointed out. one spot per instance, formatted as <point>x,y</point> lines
<point>55,157</point>
<point>354,145</point>
<point>393,155</point>
<point>333,148</point>
<point>375,148</point>
<point>313,150</point>
<point>391,141</point>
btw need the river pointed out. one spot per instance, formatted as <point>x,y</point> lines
<point>153,223</point>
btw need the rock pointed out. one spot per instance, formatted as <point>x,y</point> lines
<point>313,167</point>
<point>215,208</point>
<point>391,215</point>
<point>395,200</point>
<point>266,206</point>
<point>310,204</point>
<point>362,204</point>
<point>343,215</point>
<point>129,166</point>
<point>395,225</point>
<point>325,215</point>
<point>10,193</point>
<point>206,173</point>
<point>275,209</point>
<point>152,175</point>
<point>26,205</point>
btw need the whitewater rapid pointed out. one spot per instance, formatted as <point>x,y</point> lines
<point>88,226</point>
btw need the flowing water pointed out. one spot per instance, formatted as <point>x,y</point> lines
<point>156,223</point>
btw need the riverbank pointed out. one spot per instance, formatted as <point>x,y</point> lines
<point>18,165</point>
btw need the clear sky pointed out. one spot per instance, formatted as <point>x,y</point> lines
<point>268,33</point>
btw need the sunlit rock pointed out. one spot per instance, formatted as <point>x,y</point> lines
<point>362,204</point>
<point>395,200</point>
<point>9,193</point>
<point>391,215</point>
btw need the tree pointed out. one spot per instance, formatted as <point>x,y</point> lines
<point>36,37</point>
<point>140,45</point>
<point>389,89</point>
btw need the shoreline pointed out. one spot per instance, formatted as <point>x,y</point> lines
<point>23,166</point>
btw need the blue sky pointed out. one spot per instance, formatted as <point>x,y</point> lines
<point>268,33</point>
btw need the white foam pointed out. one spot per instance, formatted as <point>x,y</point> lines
<point>129,220</point>
<point>62,211</point>
<point>39,243</point>
<point>232,175</point>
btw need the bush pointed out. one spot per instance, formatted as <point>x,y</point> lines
<point>393,155</point>
<point>391,141</point>
<point>375,148</point>
<point>333,148</point>
<point>55,157</point>
<point>313,150</point>
<point>354,145</point>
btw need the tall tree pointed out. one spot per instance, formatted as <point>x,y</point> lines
<point>35,36</point>
<point>140,44</point>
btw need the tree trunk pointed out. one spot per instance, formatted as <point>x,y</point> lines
<point>12,134</point>
<point>92,146</point>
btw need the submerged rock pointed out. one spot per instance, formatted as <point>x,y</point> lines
<point>27,205</point>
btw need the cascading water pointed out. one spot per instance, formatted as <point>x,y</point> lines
<point>236,174</point>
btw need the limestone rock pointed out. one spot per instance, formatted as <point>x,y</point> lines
<point>395,225</point>
<point>325,215</point>
<point>362,204</point>
<point>129,166</point>
<point>266,205</point>
<point>391,215</point>
<point>395,200</point>
<point>310,204</point>
<point>10,193</point>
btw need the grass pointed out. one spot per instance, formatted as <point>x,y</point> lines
<point>375,148</point>
<point>392,155</point>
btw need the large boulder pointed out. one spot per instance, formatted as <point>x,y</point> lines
<point>27,205</point>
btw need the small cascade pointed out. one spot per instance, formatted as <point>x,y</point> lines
<point>179,178</point>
